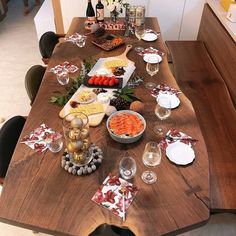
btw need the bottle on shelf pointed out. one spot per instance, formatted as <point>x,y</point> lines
<point>90,14</point>
<point>100,11</point>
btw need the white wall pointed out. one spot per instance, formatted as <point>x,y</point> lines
<point>44,19</point>
<point>178,19</point>
<point>191,19</point>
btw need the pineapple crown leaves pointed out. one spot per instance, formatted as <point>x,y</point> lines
<point>126,93</point>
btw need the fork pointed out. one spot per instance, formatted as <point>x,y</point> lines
<point>181,139</point>
<point>123,190</point>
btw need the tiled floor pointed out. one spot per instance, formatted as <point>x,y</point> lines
<point>19,50</point>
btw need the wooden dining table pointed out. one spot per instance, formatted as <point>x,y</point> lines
<point>38,194</point>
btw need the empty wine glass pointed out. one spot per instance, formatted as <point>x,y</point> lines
<point>162,111</point>
<point>151,158</point>
<point>127,167</point>
<point>63,78</point>
<point>139,33</point>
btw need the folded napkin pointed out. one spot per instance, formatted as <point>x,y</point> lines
<point>165,89</point>
<point>65,67</point>
<point>173,136</point>
<point>109,194</point>
<point>74,38</point>
<point>151,50</point>
<point>39,138</point>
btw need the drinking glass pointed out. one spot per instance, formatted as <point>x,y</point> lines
<point>152,68</point>
<point>127,167</point>
<point>139,33</point>
<point>151,158</point>
<point>63,78</point>
<point>80,41</point>
<point>162,111</point>
<point>55,145</point>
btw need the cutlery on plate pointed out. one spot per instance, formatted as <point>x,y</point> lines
<point>123,190</point>
<point>180,139</point>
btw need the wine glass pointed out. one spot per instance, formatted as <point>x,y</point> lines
<point>139,33</point>
<point>152,68</point>
<point>127,167</point>
<point>162,111</point>
<point>151,158</point>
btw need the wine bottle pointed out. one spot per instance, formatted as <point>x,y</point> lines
<point>100,11</point>
<point>90,12</point>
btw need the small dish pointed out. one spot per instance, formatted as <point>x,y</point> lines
<point>174,100</point>
<point>86,96</point>
<point>149,37</point>
<point>153,56</point>
<point>180,153</point>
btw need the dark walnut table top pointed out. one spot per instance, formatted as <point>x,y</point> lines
<point>39,194</point>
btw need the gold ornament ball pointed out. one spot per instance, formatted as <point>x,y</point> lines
<point>78,157</point>
<point>77,123</point>
<point>74,146</point>
<point>84,133</point>
<point>74,134</point>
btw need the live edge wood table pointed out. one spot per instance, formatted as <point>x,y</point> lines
<point>38,194</point>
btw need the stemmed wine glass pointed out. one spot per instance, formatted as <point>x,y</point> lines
<point>162,111</point>
<point>152,69</point>
<point>139,33</point>
<point>151,158</point>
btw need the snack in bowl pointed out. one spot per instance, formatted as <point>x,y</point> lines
<point>126,126</point>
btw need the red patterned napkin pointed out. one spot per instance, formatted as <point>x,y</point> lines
<point>165,89</point>
<point>109,194</point>
<point>65,67</point>
<point>40,137</point>
<point>174,135</point>
<point>151,50</point>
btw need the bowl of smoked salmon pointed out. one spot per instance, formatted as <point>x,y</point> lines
<point>126,126</point>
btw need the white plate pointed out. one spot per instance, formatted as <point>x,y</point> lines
<point>153,57</point>
<point>174,100</point>
<point>180,153</point>
<point>90,100</point>
<point>149,37</point>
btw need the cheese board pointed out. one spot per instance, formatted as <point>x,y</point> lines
<point>97,109</point>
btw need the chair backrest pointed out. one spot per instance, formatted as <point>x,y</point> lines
<point>33,79</point>
<point>9,135</point>
<point>47,43</point>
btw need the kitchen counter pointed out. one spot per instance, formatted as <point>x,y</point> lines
<point>221,14</point>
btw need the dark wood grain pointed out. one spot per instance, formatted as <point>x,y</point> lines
<point>199,79</point>
<point>39,193</point>
<point>221,47</point>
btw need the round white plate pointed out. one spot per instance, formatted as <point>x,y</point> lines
<point>153,57</point>
<point>149,37</point>
<point>174,100</point>
<point>180,153</point>
<point>90,100</point>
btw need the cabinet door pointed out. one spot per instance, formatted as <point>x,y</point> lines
<point>191,19</point>
<point>169,15</point>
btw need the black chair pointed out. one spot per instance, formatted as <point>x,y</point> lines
<point>33,79</point>
<point>47,44</point>
<point>9,135</point>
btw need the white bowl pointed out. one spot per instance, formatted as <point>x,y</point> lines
<point>127,139</point>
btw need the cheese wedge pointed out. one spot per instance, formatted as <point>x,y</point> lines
<point>89,109</point>
<point>116,63</point>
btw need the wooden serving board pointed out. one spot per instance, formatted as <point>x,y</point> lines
<point>94,120</point>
